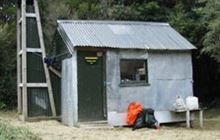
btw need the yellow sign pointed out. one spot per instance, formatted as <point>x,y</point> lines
<point>91,60</point>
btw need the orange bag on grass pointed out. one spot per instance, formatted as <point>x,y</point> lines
<point>134,109</point>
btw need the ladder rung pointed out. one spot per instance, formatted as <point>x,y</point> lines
<point>32,85</point>
<point>36,84</point>
<point>30,15</point>
<point>27,15</point>
<point>38,50</point>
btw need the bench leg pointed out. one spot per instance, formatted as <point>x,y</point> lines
<point>188,119</point>
<point>201,118</point>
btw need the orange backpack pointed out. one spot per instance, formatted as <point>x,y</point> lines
<point>134,109</point>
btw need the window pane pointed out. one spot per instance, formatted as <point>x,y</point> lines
<point>133,71</point>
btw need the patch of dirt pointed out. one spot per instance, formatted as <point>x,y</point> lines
<point>54,130</point>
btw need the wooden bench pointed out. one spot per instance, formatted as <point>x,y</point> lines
<point>189,116</point>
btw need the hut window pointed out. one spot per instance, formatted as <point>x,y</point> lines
<point>133,71</point>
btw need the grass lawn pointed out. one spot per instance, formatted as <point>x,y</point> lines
<point>8,132</point>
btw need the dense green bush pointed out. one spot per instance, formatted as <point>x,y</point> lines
<point>8,54</point>
<point>7,66</point>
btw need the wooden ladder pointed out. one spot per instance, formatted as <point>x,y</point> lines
<point>22,50</point>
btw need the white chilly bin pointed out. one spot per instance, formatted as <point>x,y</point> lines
<point>192,102</point>
<point>179,105</point>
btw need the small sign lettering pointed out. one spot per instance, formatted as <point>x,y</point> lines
<point>91,60</point>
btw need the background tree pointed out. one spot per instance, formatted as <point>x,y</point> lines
<point>212,38</point>
<point>8,54</point>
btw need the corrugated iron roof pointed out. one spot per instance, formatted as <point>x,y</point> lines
<point>122,34</point>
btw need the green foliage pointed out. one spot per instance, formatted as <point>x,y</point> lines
<point>7,11</point>
<point>189,25</point>
<point>149,11</point>
<point>85,9</point>
<point>88,10</point>
<point>8,65</point>
<point>211,17</point>
<point>122,12</point>
<point>212,40</point>
<point>51,11</point>
<point>2,105</point>
<point>8,132</point>
<point>74,4</point>
<point>8,56</point>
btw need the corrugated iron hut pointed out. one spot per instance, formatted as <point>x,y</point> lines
<point>109,64</point>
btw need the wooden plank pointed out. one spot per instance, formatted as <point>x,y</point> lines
<point>20,53</point>
<point>33,85</point>
<point>32,15</point>
<point>20,20</point>
<point>20,85</point>
<point>201,118</point>
<point>18,61</point>
<point>24,59</point>
<point>40,34</point>
<point>188,119</point>
<point>56,72</point>
<point>37,50</point>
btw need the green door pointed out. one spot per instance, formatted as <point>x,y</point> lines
<point>91,95</point>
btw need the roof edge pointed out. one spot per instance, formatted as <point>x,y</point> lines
<point>124,22</point>
<point>150,49</point>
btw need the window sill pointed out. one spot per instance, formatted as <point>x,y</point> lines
<point>133,84</point>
